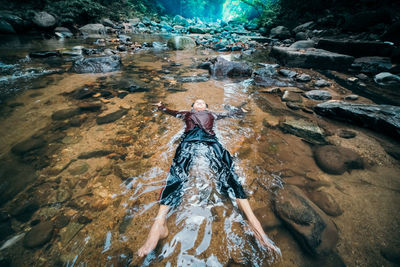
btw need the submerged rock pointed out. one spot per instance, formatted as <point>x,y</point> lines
<point>311,58</point>
<point>337,160</point>
<point>381,118</point>
<point>95,154</point>
<point>96,64</point>
<point>181,43</point>
<point>325,202</point>
<point>111,117</point>
<point>225,68</point>
<point>28,145</point>
<point>307,130</point>
<point>312,228</point>
<point>65,113</point>
<point>39,235</point>
<point>25,211</point>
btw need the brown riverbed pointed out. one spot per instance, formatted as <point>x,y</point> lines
<point>207,229</point>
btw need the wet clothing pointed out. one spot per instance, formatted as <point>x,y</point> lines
<point>199,130</point>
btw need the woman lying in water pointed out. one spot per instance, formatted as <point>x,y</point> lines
<point>199,129</point>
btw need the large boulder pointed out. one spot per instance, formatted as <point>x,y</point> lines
<point>311,58</point>
<point>96,64</point>
<point>44,20</point>
<point>225,68</point>
<point>303,44</point>
<point>387,78</point>
<point>179,20</point>
<point>381,118</point>
<point>336,160</point>
<point>313,229</point>
<point>280,32</point>
<point>93,30</point>
<point>181,43</point>
<point>356,48</point>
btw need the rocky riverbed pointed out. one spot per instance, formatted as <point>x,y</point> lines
<point>84,154</point>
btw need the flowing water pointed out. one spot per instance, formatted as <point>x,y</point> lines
<point>111,200</point>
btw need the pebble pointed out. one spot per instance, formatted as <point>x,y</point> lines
<point>39,235</point>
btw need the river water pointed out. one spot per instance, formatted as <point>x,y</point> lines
<point>110,201</point>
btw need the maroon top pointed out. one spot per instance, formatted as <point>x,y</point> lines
<point>203,119</point>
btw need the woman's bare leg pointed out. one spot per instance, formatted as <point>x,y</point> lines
<point>256,227</point>
<point>158,231</point>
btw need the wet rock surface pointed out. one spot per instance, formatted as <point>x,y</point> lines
<point>337,160</point>
<point>313,229</point>
<point>307,130</point>
<point>381,118</point>
<point>39,235</point>
<point>311,58</point>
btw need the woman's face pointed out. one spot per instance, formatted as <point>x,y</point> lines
<point>199,105</point>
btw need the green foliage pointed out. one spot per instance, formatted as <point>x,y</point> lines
<point>268,11</point>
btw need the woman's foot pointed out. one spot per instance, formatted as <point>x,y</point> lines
<point>158,231</point>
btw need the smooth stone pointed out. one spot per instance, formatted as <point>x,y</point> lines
<point>387,78</point>
<point>93,30</point>
<point>307,130</point>
<point>303,44</point>
<point>351,97</point>
<point>84,220</point>
<point>288,73</point>
<point>111,117</point>
<point>325,202</point>
<point>381,118</point>
<point>61,221</point>
<point>44,20</point>
<point>181,43</point>
<point>78,168</point>
<point>318,95</point>
<point>274,90</point>
<point>28,145</point>
<point>311,58</point>
<point>63,195</point>
<point>294,106</point>
<point>347,134</point>
<point>39,235</point>
<point>303,78</point>
<point>91,107</point>
<point>95,154</point>
<point>65,113</point>
<point>337,160</point>
<point>322,83</point>
<point>289,96</point>
<point>313,229</point>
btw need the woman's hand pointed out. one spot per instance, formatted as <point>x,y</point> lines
<point>159,104</point>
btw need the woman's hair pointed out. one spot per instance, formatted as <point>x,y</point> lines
<point>193,105</point>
